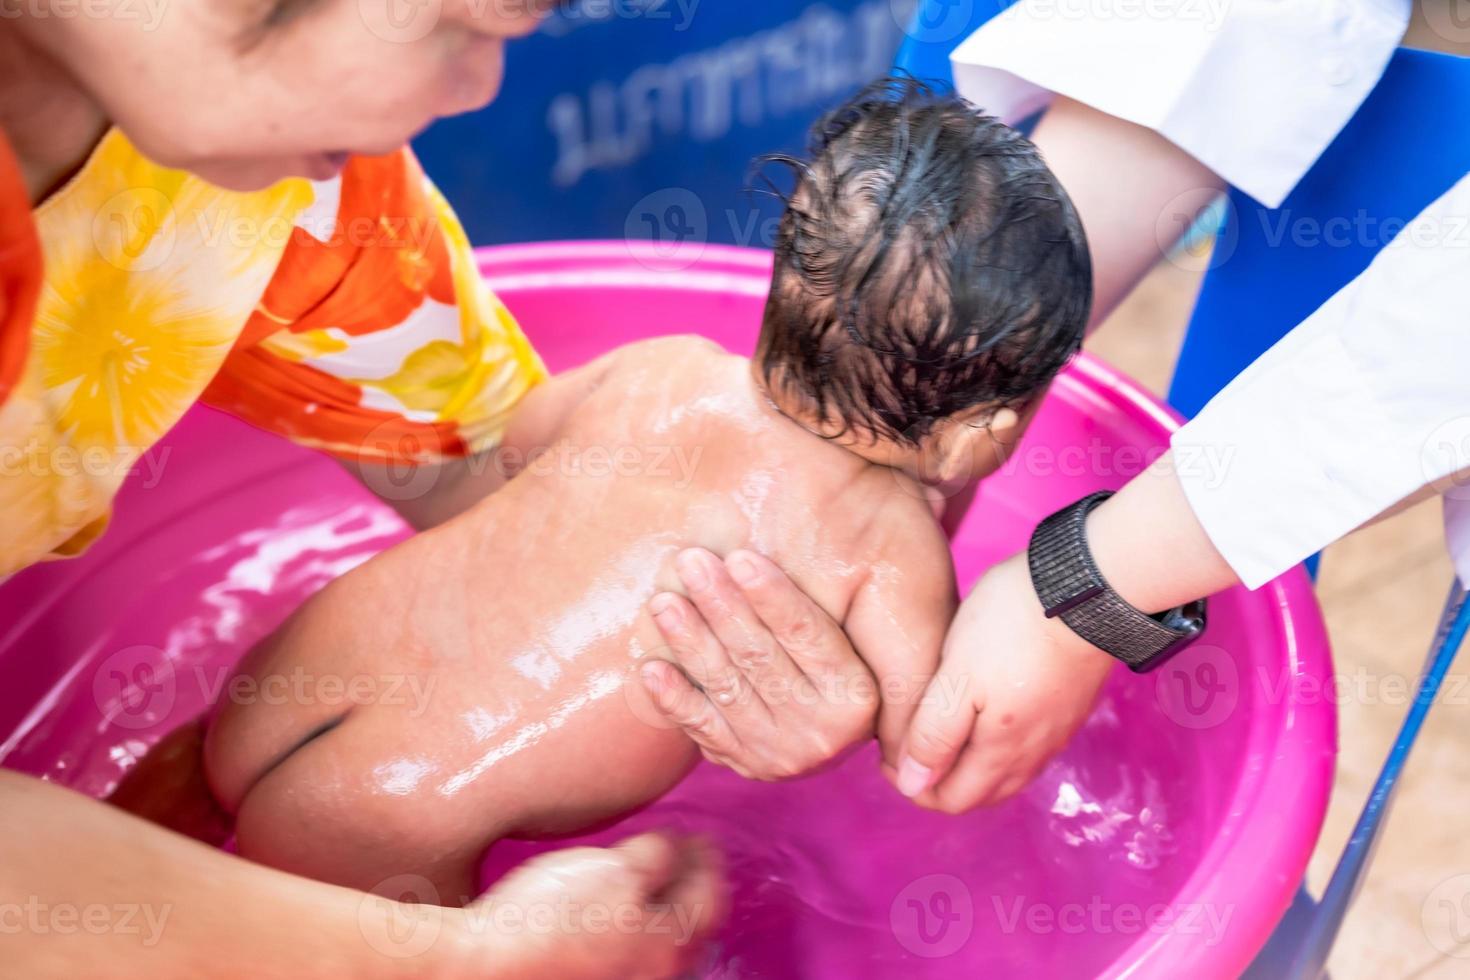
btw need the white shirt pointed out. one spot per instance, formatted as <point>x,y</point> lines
<point>1253,89</point>
<point>1369,398</point>
<point>1354,410</point>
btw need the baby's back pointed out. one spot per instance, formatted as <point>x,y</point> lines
<point>523,619</point>
<point>675,446</point>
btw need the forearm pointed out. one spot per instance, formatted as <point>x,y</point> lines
<point>1135,192</point>
<point>1359,408</point>
<point>1151,547</point>
<point>91,891</point>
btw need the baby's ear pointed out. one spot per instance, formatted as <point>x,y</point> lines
<point>976,443</point>
<point>1004,424</point>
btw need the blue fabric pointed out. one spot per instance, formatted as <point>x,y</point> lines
<point>936,29</point>
<point>1406,146</point>
<point>640,118</point>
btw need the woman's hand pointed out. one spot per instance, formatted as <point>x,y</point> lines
<point>770,686</point>
<point>641,909</point>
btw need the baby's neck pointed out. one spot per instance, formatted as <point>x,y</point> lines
<point>783,422</point>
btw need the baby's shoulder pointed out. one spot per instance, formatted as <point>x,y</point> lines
<point>667,363</point>
<point>671,348</point>
<point>901,529</point>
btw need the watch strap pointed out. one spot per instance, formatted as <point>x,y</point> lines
<point>1071,588</point>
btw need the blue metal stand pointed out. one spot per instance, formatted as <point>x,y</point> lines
<point>1311,958</point>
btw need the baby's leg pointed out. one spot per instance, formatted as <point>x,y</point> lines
<point>316,813</point>
<point>364,795</point>
<point>381,795</point>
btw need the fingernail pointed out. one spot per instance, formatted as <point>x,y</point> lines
<point>652,678</point>
<point>742,569</point>
<point>660,603</point>
<point>913,778</point>
<point>692,570</point>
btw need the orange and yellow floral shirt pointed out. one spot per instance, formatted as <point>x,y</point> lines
<point>347,315</point>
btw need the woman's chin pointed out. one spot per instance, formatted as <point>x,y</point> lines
<point>325,166</point>
<point>255,175</point>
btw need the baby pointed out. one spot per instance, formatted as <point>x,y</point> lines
<point>930,280</point>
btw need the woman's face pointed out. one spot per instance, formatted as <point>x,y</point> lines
<point>246,92</point>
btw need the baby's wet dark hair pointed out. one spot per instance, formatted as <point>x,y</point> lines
<point>928,263</point>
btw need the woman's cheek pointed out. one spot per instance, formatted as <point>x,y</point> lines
<point>472,79</point>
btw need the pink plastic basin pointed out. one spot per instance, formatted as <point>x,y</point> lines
<point>1166,841</point>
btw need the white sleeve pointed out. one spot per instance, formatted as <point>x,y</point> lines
<point>1253,89</point>
<point>1357,408</point>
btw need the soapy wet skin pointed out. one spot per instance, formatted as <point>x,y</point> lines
<point>517,627</point>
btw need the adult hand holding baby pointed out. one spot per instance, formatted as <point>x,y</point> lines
<point>770,686</point>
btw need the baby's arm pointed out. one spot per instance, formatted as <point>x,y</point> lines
<point>900,614</point>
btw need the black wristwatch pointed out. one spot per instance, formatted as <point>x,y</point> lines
<point>1071,588</point>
